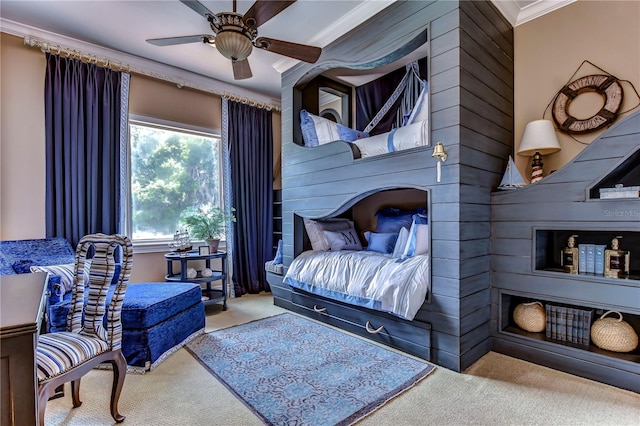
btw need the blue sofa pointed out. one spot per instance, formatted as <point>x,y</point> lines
<point>157,318</point>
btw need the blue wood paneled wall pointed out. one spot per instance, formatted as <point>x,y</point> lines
<point>471,100</point>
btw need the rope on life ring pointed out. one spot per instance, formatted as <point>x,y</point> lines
<point>605,85</point>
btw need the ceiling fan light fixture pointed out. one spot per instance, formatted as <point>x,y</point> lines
<point>233,45</point>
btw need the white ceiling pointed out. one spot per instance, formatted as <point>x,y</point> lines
<point>117,30</point>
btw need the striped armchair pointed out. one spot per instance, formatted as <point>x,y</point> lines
<point>90,339</point>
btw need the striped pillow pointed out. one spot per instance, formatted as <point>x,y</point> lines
<point>65,272</point>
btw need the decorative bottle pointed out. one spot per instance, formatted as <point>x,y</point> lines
<point>569,256</point>
<point>616,261</point>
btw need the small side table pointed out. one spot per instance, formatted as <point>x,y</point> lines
<point>209,294</point>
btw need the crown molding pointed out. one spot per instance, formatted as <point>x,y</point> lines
<point>139,65</point>
<point>517,14</point>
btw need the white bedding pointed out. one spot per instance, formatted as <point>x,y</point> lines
<point>364,278</point>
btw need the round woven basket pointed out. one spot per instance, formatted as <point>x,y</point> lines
<point>613,334</point>
<point>530,317</point>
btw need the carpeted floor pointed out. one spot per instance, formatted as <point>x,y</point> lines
<point>290,370</point>
<point>496,390</point>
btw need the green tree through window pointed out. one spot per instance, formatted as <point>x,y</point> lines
<point>171,171</point>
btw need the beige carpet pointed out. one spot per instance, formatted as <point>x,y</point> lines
<point>496,390</point>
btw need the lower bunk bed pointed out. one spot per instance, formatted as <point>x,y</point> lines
<point>413,337</point>
<point>371,277</point>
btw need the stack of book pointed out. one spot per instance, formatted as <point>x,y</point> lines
<point>569,324</point>
<point>591,259</point>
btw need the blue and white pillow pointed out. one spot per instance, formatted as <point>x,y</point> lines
<point>277,260</point>
<point>65,272</point>
<point>401,243</point>
<point>418,239</point>
<point>319,131</point>
<point>381,242</point>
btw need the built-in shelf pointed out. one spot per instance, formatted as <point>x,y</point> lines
<point>626,174</point>
<point>549,244</point>
<point>508,303</point>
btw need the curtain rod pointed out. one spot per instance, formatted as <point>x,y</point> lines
<point>56,49</point>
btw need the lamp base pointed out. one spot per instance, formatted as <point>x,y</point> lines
<point>536,168</point>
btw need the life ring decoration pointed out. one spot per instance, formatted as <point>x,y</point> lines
<point>606,85</point>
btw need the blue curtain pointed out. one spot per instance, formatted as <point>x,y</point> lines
<point>83,143</point>
<point>250,133</point>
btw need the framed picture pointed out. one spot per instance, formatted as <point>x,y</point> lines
<point>203,250</point>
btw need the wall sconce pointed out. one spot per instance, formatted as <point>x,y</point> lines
<point>441,156</point>
<point>538,139</point>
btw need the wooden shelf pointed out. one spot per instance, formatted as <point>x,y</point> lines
<point>540,337</point>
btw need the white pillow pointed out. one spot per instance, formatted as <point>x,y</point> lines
<point>343,240</point>
<point>401,242</point>
<point>319,131</point>
<point>314,229</point>
<point>409,136</point>
<point>417,241</point>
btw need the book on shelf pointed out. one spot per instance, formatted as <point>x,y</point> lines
<point>591,259</point>
<point>570,328</point>
<point>599,258</point>
<point>562,323</point>
<point>575,337</point>
<point>582,258</point>
<point>547,329</point>
<point>587,317</point>
<point>554,331</point>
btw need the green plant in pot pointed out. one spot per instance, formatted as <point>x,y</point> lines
<point>207,224</point>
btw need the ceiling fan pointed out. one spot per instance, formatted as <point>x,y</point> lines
<point>235,35</point>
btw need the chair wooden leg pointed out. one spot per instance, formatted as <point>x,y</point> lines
<point>43,397</point>
<point>119,374</point>
<point>75,393</point>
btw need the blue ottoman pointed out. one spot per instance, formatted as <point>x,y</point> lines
<point>157,319</point>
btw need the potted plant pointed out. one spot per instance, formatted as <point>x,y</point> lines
<point>207,224</point>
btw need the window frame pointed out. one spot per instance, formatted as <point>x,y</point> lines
<point>160,245</point>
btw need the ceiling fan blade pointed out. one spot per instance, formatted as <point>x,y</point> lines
<point>302,52</point>
<point>263,10</point>
<point>169,41</point>
<point>198,7</point>
<point>241,69</point>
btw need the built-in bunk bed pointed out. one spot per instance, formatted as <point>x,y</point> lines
<point>339,198</point>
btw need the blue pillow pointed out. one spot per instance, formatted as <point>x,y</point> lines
<point>308,129</point>
<point>393,219</point>
<point>278,259</point>
<point>381,242</point>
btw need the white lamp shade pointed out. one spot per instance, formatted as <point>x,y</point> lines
<point>539,136</point>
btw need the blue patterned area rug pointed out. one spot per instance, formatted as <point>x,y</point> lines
<point>293,371</point>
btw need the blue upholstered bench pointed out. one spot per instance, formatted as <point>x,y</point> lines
<point>157,318</point>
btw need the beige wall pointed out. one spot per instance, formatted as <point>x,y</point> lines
<point>22,163</point>
<point>22,146</point>
<point>549,49</point>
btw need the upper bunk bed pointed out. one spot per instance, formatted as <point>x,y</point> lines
<point>392,112</point>
<point>367,110</point>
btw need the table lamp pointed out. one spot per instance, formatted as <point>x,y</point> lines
<point>538,139</point>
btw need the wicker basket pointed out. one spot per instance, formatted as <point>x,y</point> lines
<point>530,317</point>
<point>613,334</point>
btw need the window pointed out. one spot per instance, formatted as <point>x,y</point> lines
<point>173,168</point>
